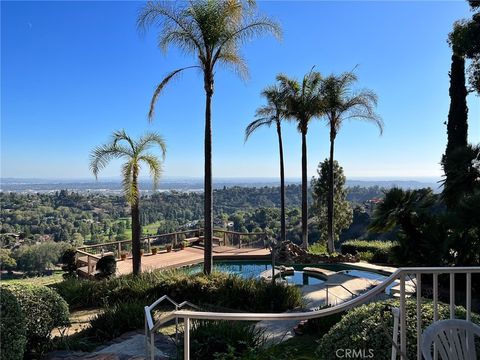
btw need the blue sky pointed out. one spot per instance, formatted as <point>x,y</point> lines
<point>73,72</point>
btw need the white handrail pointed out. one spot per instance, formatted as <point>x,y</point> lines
<point>401,273</point>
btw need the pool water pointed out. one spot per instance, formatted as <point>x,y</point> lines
<point>253,269</point>
<point>301,278</point>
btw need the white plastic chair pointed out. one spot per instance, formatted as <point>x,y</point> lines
<point>453,340</point>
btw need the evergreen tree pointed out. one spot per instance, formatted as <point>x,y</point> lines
<point>320,194</point>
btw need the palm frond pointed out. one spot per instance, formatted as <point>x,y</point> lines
<point>169,17</point>
<point>120,135</point>
<point>340,102</point>
<point>149,139</point>
<point>129,185</point>
<point>154,166</point>
<point>252,28</point>
<point>160,87</point>
<point>102,155</point>
<point>254,125</point>
<point>234,60</point>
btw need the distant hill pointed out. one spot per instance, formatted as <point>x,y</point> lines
<point>182,184</point>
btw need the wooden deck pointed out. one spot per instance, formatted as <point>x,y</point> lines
<point>190,256</point>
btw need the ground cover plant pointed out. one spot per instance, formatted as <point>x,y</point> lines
<point>224,339</point>
<point>123,299</point>
<point>219,289</point>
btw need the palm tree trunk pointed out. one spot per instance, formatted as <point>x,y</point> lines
<point>330,207</point>
<point>282,185</point>
<point>208,193</point>
<point>136,258</point>
<point>304,192</point>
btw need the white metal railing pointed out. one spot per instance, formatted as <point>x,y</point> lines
<point>400,274</point>
<point>150,327</point>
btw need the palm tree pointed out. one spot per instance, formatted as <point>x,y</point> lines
<point>135,152</point>
<point>339,103</point>
<point>303,104</point>
<point>273,113</point>
<point>212,31</point>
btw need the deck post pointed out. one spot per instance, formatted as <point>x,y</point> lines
<point>119,249</point>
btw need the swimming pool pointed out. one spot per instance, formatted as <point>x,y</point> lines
<point>253,269</point>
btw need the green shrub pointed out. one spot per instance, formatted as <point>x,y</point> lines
<point>370,327</point>
<point>366,255</point>
<point>69,262</point>
<point>318,248</point>
<point>218,290</point>
<point>223,339</point>
<point>12,327</point>
<point>44,310</point>
<point>81,293</point>
<point>116,320</point>
<point>106,267</point>
<point>320,326</point>
<point>380,250</point>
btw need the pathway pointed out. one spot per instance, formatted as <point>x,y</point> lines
<point>129,346</point>
<point>315,297</point>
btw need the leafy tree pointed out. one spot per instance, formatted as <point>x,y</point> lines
<point>321,192</point>
<point>6,260</point>
<point>272,114</point>
<point>39,257</point>
<point>340,102</point>
<point>303,104</point>
<point>135,153</point>
<point>465,42</point>
<point>212,31</point>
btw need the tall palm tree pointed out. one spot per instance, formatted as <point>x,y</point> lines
<point>212,31</point>
<point>340,102</point>
<point>273,113</point>
<point>303,104</point>
<point>134,152</point>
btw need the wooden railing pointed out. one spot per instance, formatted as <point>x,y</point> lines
<point>223,237</point>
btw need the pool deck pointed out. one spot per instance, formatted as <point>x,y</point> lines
<point>191,256</point>
<point>383,270</point>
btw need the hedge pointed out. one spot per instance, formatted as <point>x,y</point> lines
<point>43,310</point>
<point>12,327</point>
<point>219,290</point>
<point>372,250</point>
<point>370,327</point>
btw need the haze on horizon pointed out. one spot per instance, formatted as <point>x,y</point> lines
<point>73,72</point>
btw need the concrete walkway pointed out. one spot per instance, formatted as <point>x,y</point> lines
<point>314,296</point>
<point>129,346</point>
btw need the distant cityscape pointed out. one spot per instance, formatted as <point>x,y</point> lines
<point>112,186</point>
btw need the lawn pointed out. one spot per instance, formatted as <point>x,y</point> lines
<point>36,280</point>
